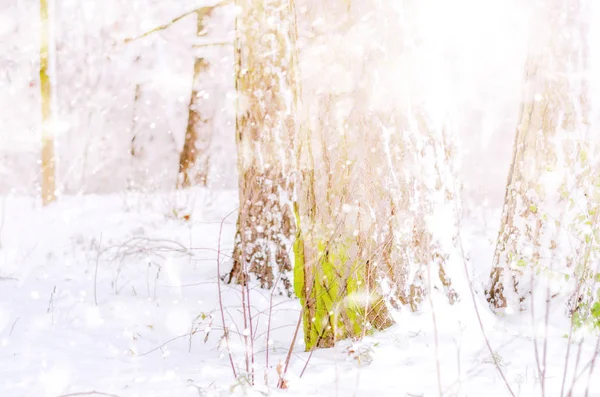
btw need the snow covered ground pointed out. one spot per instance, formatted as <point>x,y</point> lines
<point>101,293</point>
<point>118,294</point>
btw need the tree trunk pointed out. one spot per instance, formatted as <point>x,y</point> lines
<point>370,176</point>
<point>48,158</point>
<point>265,135</point>
<point>194,159</point>
<point>335,253</point>
<point>552,119</point>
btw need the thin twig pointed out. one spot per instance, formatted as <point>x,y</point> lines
<point>96,271</point>
<point>161,27</point>
<point>545,346</point>
<point>536,349</point>
<point>590,365</point>
<point>51,304</point>
<point>593,363</point>
<point>133,246</point>
<point>562,388</point>
<point>250,330</point>
<point>225,331</point>
<point>245,317</point>
<point>269,319</point>
<point>88,393</point>
<point>576,366</point>
<point>13,326</point>
<point>163,345</point>
<point>435,333</point>
<point>487,341</point>
<point>281,383</point>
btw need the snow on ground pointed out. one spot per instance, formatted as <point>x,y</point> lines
<point>100,293</point>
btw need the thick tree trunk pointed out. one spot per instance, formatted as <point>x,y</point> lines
<point>265,135</point>
<point>370,176</point>
<point>47,156</point>
<point>335,253</point>
<point>552,118</point>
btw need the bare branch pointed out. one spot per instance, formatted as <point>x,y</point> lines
<point>201,11</point>
<point>225,330</point>
<point>164,344</point>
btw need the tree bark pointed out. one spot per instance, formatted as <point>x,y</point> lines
<point>370,176</point>
<point>265,136</point>
<point>553,116</point>
<point>336,255</point>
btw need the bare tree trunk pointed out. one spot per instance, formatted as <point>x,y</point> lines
<point>194,159</point>
<point>336,255</point>
<point>553,116</point>
<point>48,159</point>
<point>370,176</point>
<point>265,135</point>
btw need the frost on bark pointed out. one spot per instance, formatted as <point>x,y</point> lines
<point>194,159</point>
<point>48,170</point>
<point>265,134</point>
<point>548,141</point>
